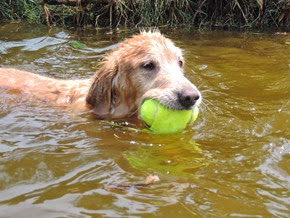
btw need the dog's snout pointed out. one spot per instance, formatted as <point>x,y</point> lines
<point>187,98</point>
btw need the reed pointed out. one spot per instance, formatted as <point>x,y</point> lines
<point>142,13</point>
<point>28,10</point>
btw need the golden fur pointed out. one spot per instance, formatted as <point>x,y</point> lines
<point>148,65</point>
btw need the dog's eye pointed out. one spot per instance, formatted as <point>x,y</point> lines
<point>148,66</point>
<point>180,63</point>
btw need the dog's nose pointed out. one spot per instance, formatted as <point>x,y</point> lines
<point>187,98</point>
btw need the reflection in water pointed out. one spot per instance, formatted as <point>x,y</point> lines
<point>234,161</point>
<point>178,158</point>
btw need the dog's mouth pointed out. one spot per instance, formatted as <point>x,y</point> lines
<point>175,100</point>
<point>165,104</point>
<point>171,105</point>
<point>162,120</point>
<point>175,104</point>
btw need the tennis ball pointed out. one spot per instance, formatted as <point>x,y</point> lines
<point>163,120</point>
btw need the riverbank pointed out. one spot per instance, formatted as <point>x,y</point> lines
<point>225,14</point>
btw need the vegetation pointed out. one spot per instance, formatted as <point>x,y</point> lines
<point>116,13</point>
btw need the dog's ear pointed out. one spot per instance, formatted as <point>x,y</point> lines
<point>101,92</point>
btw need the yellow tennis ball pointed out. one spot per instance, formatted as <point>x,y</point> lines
<point>163,120</point>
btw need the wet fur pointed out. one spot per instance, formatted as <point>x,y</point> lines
<point>120,85</point>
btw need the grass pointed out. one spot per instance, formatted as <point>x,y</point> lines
<point>15,10</point>
<point>230,14</point>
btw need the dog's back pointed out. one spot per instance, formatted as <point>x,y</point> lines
<point>62,92</point>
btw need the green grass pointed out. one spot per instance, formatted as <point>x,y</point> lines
<point>28,10</point>
<point>231,14</point>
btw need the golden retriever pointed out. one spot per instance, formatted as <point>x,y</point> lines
<point>148,65</point>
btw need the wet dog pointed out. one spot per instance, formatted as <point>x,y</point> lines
<point>148,65</point>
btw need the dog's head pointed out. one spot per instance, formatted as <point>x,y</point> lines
<point>148,65</point>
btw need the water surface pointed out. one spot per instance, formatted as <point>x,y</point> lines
<point>234,161</point>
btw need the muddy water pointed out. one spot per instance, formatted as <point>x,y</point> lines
<point>235,160</point>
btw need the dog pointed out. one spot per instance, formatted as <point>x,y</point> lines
<point>147,65</point>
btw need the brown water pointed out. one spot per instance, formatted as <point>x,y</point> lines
<point>234,162</point>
